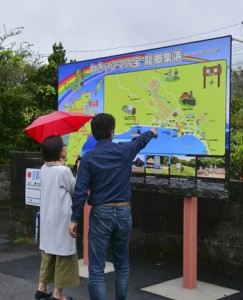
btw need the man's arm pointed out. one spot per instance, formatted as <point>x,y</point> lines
<point>80,196</point>
<point>138,143</point>
<point>154,130</point>
<point>80,191</point>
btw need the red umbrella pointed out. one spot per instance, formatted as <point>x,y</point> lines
<point>56,123</point>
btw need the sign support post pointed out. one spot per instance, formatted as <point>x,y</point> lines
<point>190,243</point>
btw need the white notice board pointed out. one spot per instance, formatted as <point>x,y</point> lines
<point>32,187</point>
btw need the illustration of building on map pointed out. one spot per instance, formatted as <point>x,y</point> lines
<point>211,71</point>
<point>187,98</point>
<point>136,132</point>
<point>129,109</point>
<point>169,78</point>
<point>176,77</point>
<point>172,76</point>
<point>174,133</point>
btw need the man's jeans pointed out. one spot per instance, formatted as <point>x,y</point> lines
<point>109,225</point>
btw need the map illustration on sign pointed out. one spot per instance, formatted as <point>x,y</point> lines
<point>182,90</point>
<point>179,101</point>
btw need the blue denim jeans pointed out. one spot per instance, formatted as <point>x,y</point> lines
<point>109,225</point>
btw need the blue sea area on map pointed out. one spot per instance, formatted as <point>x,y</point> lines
<point>89,144</point>
<point>167,142</point>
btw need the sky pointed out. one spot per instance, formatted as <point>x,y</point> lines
<point>86,28</point>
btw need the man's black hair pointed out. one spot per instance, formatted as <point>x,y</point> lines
<point>102,126</point>
<point>52,147</point>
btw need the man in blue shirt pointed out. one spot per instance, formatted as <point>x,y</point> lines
<point>105,172</point>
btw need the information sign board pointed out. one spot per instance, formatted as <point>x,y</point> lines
<point>33,187</point>
<point>182,90</point>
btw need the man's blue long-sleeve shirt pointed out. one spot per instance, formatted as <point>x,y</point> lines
<point>105,173</point>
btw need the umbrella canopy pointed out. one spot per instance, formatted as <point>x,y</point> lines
<point>56,123</point>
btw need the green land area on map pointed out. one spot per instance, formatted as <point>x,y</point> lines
<point>78,139</point>
<point>190,99</point>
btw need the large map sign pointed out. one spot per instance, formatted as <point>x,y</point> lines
<point>181,90</point>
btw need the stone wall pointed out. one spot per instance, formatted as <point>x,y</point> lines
<point>4,183</point>
<point>22,216</point>
<point>158,228</point>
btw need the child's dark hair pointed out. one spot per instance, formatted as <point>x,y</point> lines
<point>52,147</point>
<point>102,125</point>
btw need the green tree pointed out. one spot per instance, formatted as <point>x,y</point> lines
<point>237,82</point>
<point>16,95</point>
<point>47,78</point>
<point>27,90</point>
<point>236,132</point>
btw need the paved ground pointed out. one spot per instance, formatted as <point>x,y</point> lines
<point>19,268</point>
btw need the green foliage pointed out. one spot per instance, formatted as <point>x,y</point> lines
<point>58,55</point>
<point>237,112</point>
<point>185,171</point>
<point>47,77</point>
<point>15,95</point>
<point>236,134</point>
<point>191,162</point>
<point>207,162</point>
<point>236,156</point>
<point>24,240</point>
<point>27,91</point>
<point>237,83</point>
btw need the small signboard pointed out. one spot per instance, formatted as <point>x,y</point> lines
<point>33,187</point>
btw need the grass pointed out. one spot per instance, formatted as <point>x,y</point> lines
<point>24,240</point>
<point>187,171</point>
